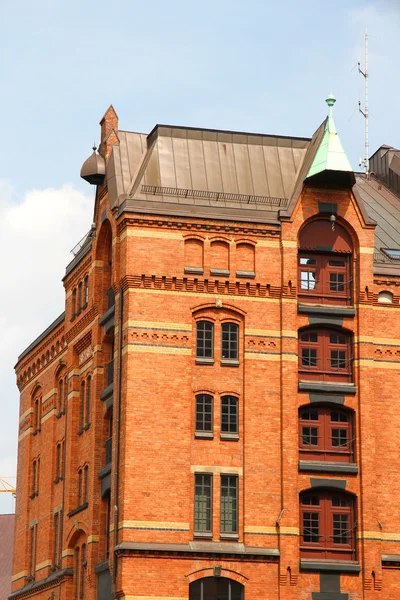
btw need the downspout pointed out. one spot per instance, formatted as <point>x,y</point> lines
<point>117,434</point>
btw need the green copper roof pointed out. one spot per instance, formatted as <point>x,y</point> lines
<point>330,155</point>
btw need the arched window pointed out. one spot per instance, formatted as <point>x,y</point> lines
<point>229,415</point>
<point>245,263</point>
<point>230,341</point>
<point>204,415</point>
<point>194,256</point>
<point>325,355</point>
<point>219,259</point>
<point>77,571</point>
<point>325,273</point>
<point>327,523</point>
<point>385,297</point>
<point>74,312</point>
<point>37,414</point>
<point>325,434</point>
<point>86,291</point>
<point>82,408</point>
<point>80,298</point>
<point>80,487</point>
<point>88,400</point>
<point>86,485</point>
<point>204,340</point>
<point>216,588</point>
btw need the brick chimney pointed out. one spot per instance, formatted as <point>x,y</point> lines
<point>109,131</point>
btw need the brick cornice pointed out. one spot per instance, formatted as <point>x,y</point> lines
<point>199,224</point>
<point>54,579</point>
<point>208,286</point>
<point>73,278</point>
<point>83,322</point>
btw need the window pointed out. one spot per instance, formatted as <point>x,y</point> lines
<point>57,539</point>
<point>88,400</point>
<point>107,527</point>
<point>37,405</point>
<point>35,478</point>
<point>80,487</point>
<point>215,588</point>
<point>325,264</point>
<point>59,462</point>
<point>229,415</point>
<point>394,254</point>
<point>74,303</point>
<point>203,503</point>
<point>327,525</point>
<point>32,551</point>
<point>325,355</point>
<point>86,290</point>
<point>229,504</point>
<point>82,408</point>
<point>80,299</point>
<point>385,297</point>
<point>204,340</point>
<point>77,571</point>
<point>229,341</point>
<point>204,413</point>
<point>326,434</point>
<point>83,570</point>
<point>60,395</point>
<point>86,485</point>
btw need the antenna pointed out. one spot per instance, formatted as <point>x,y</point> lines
<point>365,161</point>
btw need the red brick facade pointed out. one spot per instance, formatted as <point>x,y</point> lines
<point>140,354</point>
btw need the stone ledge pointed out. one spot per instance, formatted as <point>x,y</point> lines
<point>320,386</point>
<point>339,566</point>
<point>336,311</point>
<point>197,547</point>
<point>306,466</point>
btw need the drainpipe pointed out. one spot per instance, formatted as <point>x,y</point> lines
<point>117,434</point>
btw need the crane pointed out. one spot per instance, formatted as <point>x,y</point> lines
<point>6,486</point>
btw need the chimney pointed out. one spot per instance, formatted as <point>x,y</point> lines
<point>109,131</point>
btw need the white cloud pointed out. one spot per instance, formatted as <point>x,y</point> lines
<point>36,236</point>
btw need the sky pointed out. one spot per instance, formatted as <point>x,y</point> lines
<point>259,66</point>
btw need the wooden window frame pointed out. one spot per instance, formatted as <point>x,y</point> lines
<point>204,407</point>
<point>203,504</point>
<point>229,415</point>
<point>319,287</point>
<point>204,340</point>
<point>319,353</point>
<point>321,436</point>
<point>229,506</point>
<point>229,342</point>
<point>327,525</point>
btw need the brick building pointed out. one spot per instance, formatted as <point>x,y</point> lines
<point>214,414</point>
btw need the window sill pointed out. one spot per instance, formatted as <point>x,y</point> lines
<point>107,392</point>
<point>72,318</point>
<point>325,309</point>
<point>219,272</point>
<point>60,414</point>
<point>36,431</point>
<point>77,510</point>
<point>245,274</point>
<point>80,431</point>
<point>193,270</point>
<point>59,478</point>
<point>339,566</point>
<point>104,471</point>
<point>86,427</point>
<point>321,386</point>
<point>207,435</point>
<point>33,495</point>
<point>232,437</point>
<point>306,466</point>
<point>228,536</point>
<point>203,534</point>
<point>229,362</point>
<point>204,361</point>
<point>108,315</point>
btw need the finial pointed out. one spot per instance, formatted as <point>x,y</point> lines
<point>330,100</point>
<point>94,148</point>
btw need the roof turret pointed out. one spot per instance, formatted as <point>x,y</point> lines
<point>94,168</point>
<point>330,155</point>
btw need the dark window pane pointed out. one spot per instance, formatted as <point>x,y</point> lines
<point>229,414</point>
<point>230,341</point>
<point>204,404</point>
<point>307,261</point>
<point>204,339</point>
<point>339,437</point>
<point>310,527</point>
<point>337,263</point>
<point>308,357</point>
<point>338,359</point>
<point>310,436</point>
<point>229,504</point>
<point>202,503</point>
<point>340,529</point>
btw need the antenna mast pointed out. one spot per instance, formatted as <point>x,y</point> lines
<point>365,161</point>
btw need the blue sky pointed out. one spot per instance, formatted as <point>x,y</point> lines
<point>258,66</point>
